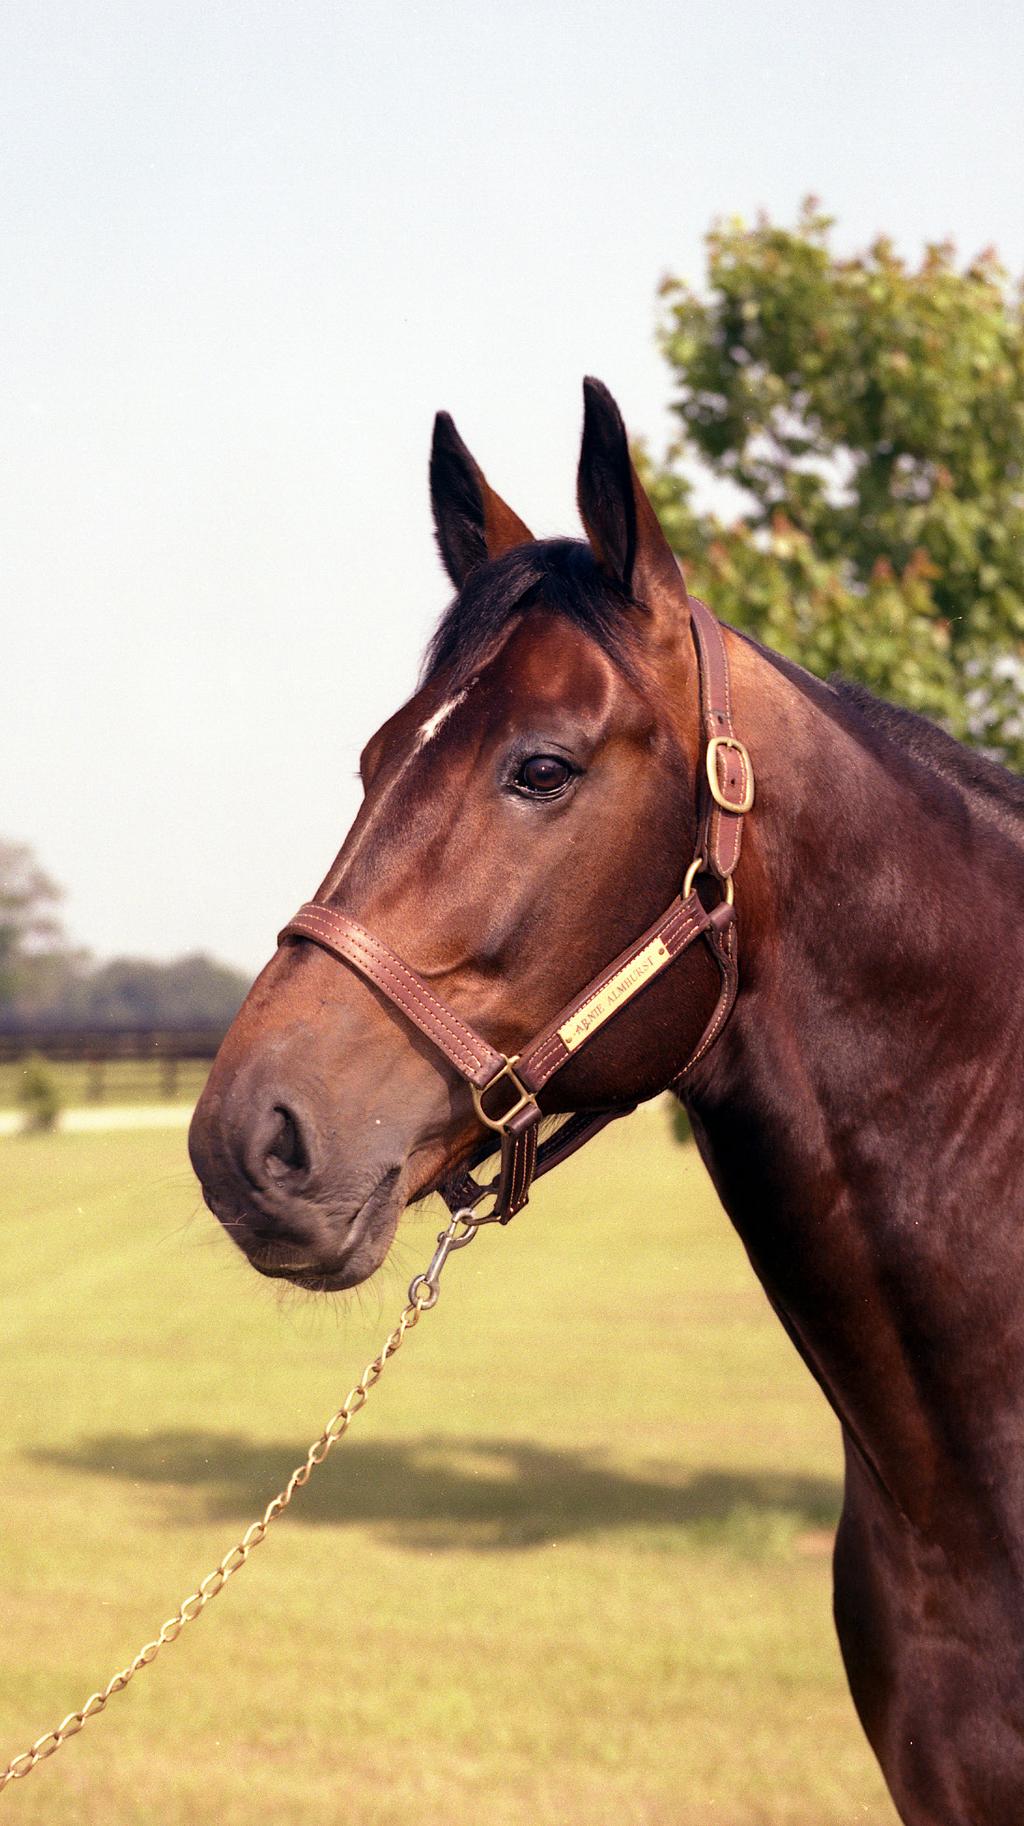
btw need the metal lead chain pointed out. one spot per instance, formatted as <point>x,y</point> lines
<point>422,1296</point>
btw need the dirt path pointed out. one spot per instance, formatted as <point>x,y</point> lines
<point>109,1116</point>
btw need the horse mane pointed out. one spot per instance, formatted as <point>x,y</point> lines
<point>562,571</point>
<point>973,773</point>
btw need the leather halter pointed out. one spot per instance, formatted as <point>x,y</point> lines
<point>505,1089</point>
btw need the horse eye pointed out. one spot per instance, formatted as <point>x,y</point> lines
<point>544,775</point>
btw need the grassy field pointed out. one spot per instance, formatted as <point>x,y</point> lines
<point>570,1568</point>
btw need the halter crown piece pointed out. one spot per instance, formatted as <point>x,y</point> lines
<point>505,1089</point>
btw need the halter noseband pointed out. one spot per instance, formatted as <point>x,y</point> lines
<point>505,1089</point>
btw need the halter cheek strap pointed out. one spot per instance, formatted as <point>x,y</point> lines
<point>505,1089</point>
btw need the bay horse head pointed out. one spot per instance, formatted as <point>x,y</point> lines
<point>526,814</point>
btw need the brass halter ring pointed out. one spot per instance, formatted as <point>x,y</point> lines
<point>699,866</point>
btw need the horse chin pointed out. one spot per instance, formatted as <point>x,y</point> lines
<point>323,1268</point>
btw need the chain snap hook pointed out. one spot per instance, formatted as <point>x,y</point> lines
<point>423,1288</point>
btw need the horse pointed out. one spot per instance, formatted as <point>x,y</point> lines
<point>846,1031</point>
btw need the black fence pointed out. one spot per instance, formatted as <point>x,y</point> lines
<point>98,1049</point>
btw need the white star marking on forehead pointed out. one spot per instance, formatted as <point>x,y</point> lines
<point>429,729</point>
<point>425,733</point>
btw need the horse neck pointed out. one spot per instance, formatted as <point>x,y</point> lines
<point>859,1114</point>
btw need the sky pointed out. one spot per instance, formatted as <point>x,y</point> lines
<point>249,250</point>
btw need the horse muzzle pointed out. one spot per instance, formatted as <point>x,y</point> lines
<point>272,1179</point>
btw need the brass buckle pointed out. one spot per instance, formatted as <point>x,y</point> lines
<point>500,1123</point>
<point>711,759</point>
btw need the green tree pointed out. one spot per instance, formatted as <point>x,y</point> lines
<point>138,992</point>
<point>45,982</point>
<point>872,415</point>
<point>29,927</point>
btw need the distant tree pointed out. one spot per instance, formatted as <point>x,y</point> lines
<point>136,992</point>
<point>29,927</point>
<point>872,414</point>
<point>44,982</point>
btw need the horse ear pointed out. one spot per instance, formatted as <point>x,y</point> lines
<point>620,522</point>
<point>473,523</point>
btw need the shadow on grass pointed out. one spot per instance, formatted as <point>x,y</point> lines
<point>439,1493</point>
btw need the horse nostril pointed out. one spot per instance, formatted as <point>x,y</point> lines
<point>286,1152</point>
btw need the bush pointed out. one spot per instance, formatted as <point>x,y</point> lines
<point>39,1096</point>
<point>679,1121</point>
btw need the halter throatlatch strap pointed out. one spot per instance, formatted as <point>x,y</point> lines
<point>505,1089</point>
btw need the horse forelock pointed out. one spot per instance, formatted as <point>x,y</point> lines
<point>560,575</point>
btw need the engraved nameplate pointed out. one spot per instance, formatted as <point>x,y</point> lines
<point>617,990</point>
